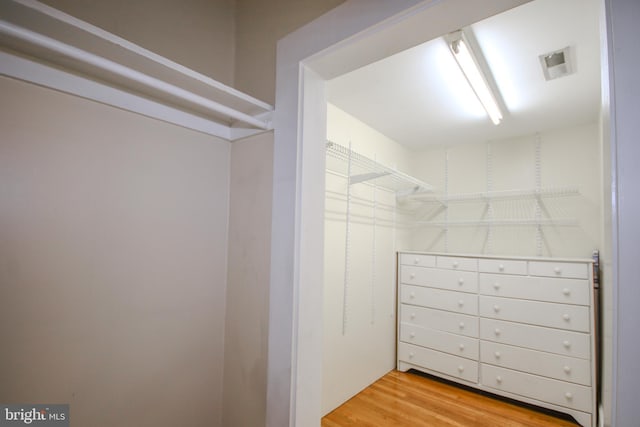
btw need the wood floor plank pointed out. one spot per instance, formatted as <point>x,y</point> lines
<point>401,399</point>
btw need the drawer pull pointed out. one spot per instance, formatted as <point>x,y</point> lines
<point>460,368</point>
<point>568,395</point>
<point>416,261</point>
<point>566,317</point>
<point>412,295</point>
<point>411,354</point>
<point>557,270</point>
<point>501,267</point>
<point>412,334</point>
<point>461,325</point>
<point>566,344</point>
<point>567,369</point>
<point>497,354</point>
<point>499,379</point>
<point>460,303</point>
<point>412,316</point>
<point>496,331</point>
<point>566,291</point>
<point>412,276</point>
<point>461,281</point>
<point>461,347</point>
<point>496,308</point>
<point>496,286</point>
<point>455,264</point>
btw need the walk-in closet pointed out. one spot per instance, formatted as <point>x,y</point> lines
<point>425,185</point>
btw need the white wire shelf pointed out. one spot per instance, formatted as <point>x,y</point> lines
<point>499,222</point>
<point>548,192</point>
<point>342,160</point>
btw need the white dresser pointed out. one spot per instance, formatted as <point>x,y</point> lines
<point>517,327</point>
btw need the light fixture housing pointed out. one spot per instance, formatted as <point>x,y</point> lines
<point>468,62</point>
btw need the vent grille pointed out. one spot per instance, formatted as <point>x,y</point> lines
<point>557,64</point>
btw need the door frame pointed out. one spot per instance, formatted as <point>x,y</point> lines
<point>354,34</point>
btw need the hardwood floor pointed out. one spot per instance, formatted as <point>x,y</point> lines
<point>412,400</point>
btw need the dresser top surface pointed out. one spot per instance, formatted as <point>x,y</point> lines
<point>503,257</point>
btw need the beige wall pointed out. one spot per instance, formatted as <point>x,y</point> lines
<point>247,322</point>
<point>259,26</point>
<point>232,41</point>
<point>113,251</point>
<point>198,34</point>
<point>127,218</point>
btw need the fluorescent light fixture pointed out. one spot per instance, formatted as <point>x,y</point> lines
<point>468,63</point>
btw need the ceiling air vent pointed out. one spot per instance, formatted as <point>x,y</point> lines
<point>556,64</point>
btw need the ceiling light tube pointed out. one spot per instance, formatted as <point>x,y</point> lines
<point>471,70</point>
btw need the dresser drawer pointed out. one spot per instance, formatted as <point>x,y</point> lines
<point>417,259</point>
<point>439,319</point>
<point>457,263</point>
<point>564,316</point>
<point>550,365</point>
<point>454,366</point>
<point>458,345</point>
<point>560,393</point>
<point>569,291</point>
<point>502,266</point>
<point>458,302</point>
<point>559,269</point>
<point>464,281</point>
<point>568,343</point>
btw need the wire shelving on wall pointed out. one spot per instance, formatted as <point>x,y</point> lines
<point>359,168</point>
<point>545,209</point>
<point>371,210</point>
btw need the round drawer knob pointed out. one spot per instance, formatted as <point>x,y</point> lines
<point>461,325</point>
<point>496,308</point>
<point>567,369</point>
<point>412,316</point>
<point>496,331</point>
<point>501,267</point>
<point>566,344</point>
<point>460,368</point>
<point>416,261</point>
<point>566,291</point>
<point>499,379</point>
<point>455,264</point>
<point>460,303</point>
<point>411,354</point>
<point>496,286</point>
<point>412,295</point>
<point>461,346</point>
<point>412,276</point>
<point>461,281</point>
<point>497,354</point>
<point>568,395</point>
<point>557,270</point>
<point>566,317</point>
<point>412,334</point>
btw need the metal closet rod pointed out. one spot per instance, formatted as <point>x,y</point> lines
<point>85,57</point>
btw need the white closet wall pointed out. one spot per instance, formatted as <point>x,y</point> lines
<point>359,332</point>
<point>486,201</point>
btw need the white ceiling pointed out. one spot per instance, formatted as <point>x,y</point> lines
<point>419,97</point>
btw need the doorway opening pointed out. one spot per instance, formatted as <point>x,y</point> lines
<point>395,30</point>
